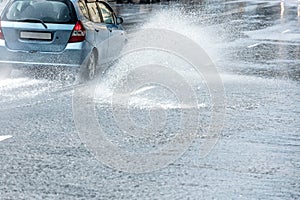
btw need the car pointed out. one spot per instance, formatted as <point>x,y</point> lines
<point>80,35</point>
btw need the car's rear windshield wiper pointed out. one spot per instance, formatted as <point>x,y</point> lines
<point>33,20</point>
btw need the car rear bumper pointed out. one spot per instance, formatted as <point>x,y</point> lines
<point>73,56</point>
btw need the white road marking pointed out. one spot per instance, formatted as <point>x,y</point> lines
<point>254,45</point>
<point>286,31</point>
<point>4,137</point>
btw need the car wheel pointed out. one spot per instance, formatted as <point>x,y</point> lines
<point>4,72</point>
<point>91,66</point>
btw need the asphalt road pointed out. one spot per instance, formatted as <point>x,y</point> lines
<point>255,46</point>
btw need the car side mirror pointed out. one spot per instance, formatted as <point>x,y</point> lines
<point>120,20</point>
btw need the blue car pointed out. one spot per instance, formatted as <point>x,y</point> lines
<point>80,35</point>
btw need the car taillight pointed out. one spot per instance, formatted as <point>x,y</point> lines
<point>78,33</point>
<point>1,33</point>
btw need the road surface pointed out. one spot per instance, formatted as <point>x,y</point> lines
<point>255,46</point>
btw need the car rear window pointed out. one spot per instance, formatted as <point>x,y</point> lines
<point>49,11</point>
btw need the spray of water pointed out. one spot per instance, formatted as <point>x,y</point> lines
<point>175,20</point>
<point>155,93</point>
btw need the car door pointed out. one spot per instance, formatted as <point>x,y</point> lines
<point>116,32</point>
<point>88,24</point>
<point>100,31</point>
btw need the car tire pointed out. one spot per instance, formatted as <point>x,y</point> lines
<point>4,72</point>
<point>89,71</point>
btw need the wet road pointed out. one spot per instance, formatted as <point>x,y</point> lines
<point>255,46</point>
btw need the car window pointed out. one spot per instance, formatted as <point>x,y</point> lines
<point>94,12</point>
<point>83,9</point>
<point>107,14</point>
<point>48,11</point>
